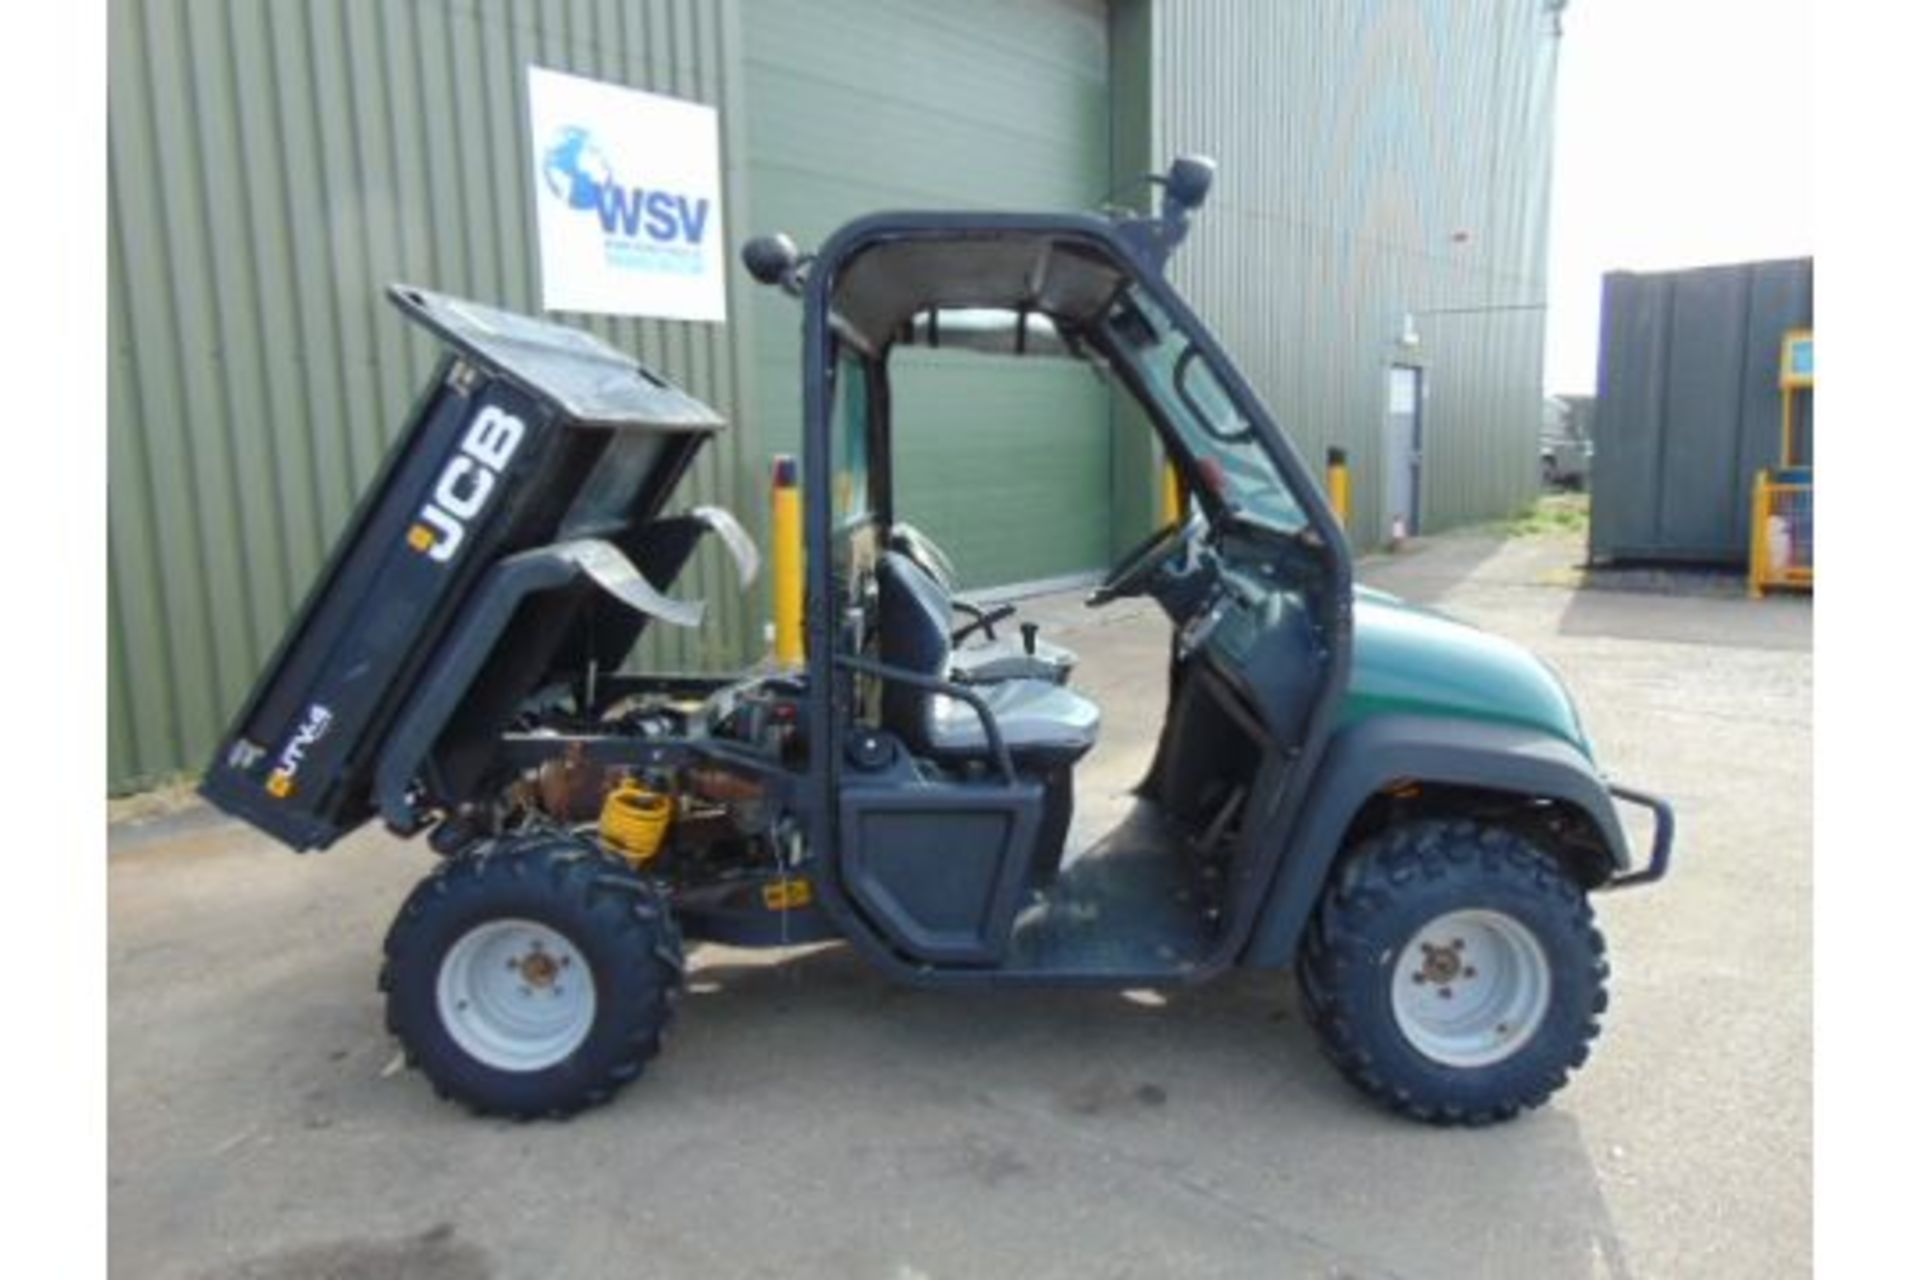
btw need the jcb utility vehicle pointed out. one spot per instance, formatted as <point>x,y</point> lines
<point>1402,810</point>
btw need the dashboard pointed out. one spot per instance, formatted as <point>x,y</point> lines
<point>1256,633</point>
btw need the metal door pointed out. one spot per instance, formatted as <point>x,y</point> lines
<point>1405,449</point>
<point>854,106</point>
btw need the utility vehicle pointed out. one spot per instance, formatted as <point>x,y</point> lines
<point>1404,811</point>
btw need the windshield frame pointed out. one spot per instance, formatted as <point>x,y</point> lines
<point>1189,431</point>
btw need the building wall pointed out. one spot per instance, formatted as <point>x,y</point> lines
<point>273,167</point>
<point>1376,157</point>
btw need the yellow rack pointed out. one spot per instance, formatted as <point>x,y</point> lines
<point>1780,555</point>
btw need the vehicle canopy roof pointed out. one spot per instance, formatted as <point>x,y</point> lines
<point>1045,271</point>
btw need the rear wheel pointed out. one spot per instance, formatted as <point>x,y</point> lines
<point>531,976</point>
<point>1453,972</point>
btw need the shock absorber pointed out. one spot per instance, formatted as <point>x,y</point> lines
<point>634,821</point>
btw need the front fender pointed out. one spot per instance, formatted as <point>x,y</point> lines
<point>1384,750</point>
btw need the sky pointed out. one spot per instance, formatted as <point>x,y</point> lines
<point>1683,137</point>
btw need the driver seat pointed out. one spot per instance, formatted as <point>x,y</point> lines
<point>1044,724</point>
<point>996,658</point>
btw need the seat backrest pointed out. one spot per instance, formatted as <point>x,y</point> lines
<point>916,628</point>
<point>916,546</point>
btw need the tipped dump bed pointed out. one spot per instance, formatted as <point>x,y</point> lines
<point>529,433</point>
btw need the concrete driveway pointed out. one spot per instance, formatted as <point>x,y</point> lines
<point>810,1120</point>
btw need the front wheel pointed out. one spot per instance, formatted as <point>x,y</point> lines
<point>531,976</point>
<point>1453,972</point>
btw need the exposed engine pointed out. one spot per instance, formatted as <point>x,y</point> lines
<point>700,820</point>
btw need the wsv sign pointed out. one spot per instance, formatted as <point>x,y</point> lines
<point>660,215</point>
<point>629,199</point>
<point>645,227</point>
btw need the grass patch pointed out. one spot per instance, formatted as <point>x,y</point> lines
<point>1551,513</point>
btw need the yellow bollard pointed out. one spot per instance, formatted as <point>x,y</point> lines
<point>789,643</point>
<point>1339,492</point>
<point>1758,568</point>
<point>1173,495</point>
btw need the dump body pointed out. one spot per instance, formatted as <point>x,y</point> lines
<point>528,434</point>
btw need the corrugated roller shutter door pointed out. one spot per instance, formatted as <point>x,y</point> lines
<point>854,107</point>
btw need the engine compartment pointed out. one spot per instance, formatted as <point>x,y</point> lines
<point>686,780</point>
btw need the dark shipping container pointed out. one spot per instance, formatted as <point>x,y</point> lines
<point>1688,406</point>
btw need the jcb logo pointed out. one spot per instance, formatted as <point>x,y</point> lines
<point>466,483</point>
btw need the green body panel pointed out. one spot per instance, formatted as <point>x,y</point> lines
<point>1409,660</point>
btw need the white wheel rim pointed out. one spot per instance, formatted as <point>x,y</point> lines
<point>516,995</point>
<point>1471,988</point>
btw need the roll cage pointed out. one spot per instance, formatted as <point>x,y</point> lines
<point>1134,252</point>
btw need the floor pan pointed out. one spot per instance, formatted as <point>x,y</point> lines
<point>1136,901</point>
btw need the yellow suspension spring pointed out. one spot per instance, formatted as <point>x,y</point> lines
<point>634,820</point>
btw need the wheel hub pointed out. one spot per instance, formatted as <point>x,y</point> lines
<point>537,969</point>
<point>1442,964</point>
<point>516,995</point>
<point>1471,988</point>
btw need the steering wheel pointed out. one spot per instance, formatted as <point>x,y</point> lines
<point>1139,566</point>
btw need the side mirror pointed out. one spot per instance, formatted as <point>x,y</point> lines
<point>1185,185</point>
<point>770,259</point>
<point>1187,182</point>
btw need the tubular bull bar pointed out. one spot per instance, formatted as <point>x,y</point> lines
<point>1656,865</point>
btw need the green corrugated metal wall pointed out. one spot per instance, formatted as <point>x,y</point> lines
<point>271,168</point>
<point>1355,139</point>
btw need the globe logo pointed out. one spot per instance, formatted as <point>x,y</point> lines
<point>575,169</point>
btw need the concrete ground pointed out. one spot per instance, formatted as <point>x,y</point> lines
<point>808,1119</point>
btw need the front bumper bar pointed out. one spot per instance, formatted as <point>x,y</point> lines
<point>1656,867</point>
